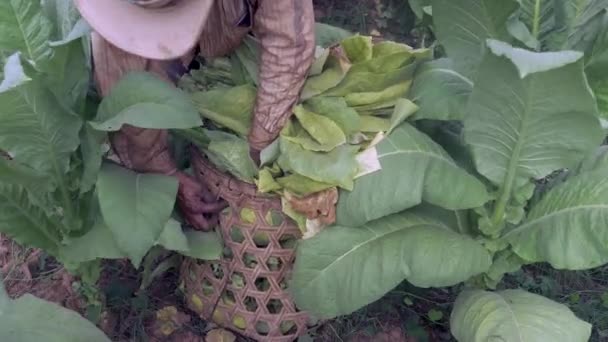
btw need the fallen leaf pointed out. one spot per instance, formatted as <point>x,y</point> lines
<point>319,206</point>
<point>220,335</point>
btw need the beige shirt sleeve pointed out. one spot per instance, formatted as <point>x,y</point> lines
<point>285,29</point>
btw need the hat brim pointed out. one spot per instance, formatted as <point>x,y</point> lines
<point>162,34</point>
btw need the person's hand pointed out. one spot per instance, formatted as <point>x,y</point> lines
<point>198,206</point>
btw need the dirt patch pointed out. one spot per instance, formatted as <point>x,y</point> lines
<point>27,270</point>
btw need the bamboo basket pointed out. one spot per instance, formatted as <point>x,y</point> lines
<point>246,291</point>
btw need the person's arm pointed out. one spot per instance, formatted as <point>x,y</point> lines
<point>285,29</point>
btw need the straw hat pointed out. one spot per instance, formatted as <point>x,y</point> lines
<point>154,29</point>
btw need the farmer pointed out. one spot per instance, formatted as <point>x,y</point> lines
<point>163,36</point>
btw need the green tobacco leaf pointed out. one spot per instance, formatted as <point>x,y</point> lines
<point>521,32</point>
<point>535,22</point>
<point>69,75</point>
<point>231,153</point>
<point>270,153</point>
<point>358,48</point>
<point>523,122</point>
<point>135,207</point>
<point>98,243</point>
<point>300,185</point>
<point>93,146</point>
<point>203,245</point>
<point>462,27</point>
<point>337,167</point>
<point>81,29</point>
<point>596,68</point>
<point>514,315</point>
<point>327,35</point>
<point>504,262</point>
<point>322,129</point>
<point>53,322</point>
<point>13,173</point>
<point>597,160</point>
<point>24,28</point>
<point>384,253</point>
<point>63,15</point>
<point>248,55</point>
<point>404,108</point>
<point>457,220</point>
<point>417,6</point>
<point>173,238</point>
<point>599,85</point>
<point>231,108</point>
<point>143,100</point>
<point>578,23</point>
<point>567,227</point>
<point>36,129</point>
<point>336,109</point>
<point>440,91</point>
<point>414,168</point>
<point>25,221</point>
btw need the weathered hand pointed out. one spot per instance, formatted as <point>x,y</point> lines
<point>198,206</point>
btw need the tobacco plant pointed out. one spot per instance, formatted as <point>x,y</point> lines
<point>59,191</point>
<point>501,167</point>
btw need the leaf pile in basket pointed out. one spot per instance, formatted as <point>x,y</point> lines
<point>354,95</point>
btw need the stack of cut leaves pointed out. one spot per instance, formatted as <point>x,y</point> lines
<point>354,95</point>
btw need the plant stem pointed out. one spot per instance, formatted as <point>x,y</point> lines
<point>65,196</point>
<point>536,21</point>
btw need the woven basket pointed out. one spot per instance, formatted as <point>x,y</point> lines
<point>246,290</point>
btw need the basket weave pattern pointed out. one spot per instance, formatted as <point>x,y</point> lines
<point>246,290</point>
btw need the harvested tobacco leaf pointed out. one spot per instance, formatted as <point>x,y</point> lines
<point>337,110</point>
<point>318,64</point>
<point>231,108</point>
<point>231,153</point>
<point>358,48</point>
<point>388,94</point>
<point>266,182</point>
<point>321,128</point>
<point>300,185</point>
<point>337,167</point>
<point>386,63</point>
<point>247,215</point>
<point>337,66</point>
<point>321,205</point>
<point>274,217</point>
<point>373,124</point>
<point>298,218</point>
<point>368,81</point>
<point>388,47</point>
<point>295,133</point>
